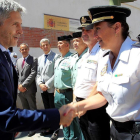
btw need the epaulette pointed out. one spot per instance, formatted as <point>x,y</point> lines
<point>58,56</point>
<point>106,54</point>
<point>137,44</point>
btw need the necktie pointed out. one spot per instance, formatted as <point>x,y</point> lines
<point>45,58</point>
<point>23,62</point>
<point>8,58</point>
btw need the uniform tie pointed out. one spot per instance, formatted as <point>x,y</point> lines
<point>45,58</point>
<point>23,62</point>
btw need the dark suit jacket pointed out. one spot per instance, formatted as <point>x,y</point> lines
<point>27,74</point>
<point>13,119</point>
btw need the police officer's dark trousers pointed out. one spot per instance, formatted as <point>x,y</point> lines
<point>125,130</point>
<point>95,124</point>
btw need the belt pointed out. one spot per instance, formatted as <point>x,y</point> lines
<point>99,111</point>
<point>129,126</point>
<point>79,99</point>
<point>63,90</point>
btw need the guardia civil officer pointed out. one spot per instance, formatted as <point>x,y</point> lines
<point>62,84</point>
<point>118,73</point>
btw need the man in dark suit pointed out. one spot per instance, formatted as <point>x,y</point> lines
<point>27,69</point>
<point>13,119</point>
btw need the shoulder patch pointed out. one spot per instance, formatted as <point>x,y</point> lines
<point>57,57</point>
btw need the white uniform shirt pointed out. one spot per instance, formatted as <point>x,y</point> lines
<point>87,71</point>
<point>121,85</point>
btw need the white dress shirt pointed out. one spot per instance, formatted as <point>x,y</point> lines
<point>87,72</point>
<point>121,85</point>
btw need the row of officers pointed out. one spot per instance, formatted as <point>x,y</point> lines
<point>64,79</point>
<point>101,82</point>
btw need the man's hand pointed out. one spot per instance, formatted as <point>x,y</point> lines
<point>21,88</point>
<point>43,87</point>
<point>66,120</point>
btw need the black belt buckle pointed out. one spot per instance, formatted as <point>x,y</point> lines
<point>63,90</point>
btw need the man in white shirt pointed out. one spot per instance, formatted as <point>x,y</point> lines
<point>95,123</point>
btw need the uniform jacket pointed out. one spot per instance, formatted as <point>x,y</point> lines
<point>45,72</point>
<point>28,73</point>
<point>12,119</point>
<point>63,72</point>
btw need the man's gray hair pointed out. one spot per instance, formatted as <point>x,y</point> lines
<point>8,6</point>
<point>44,40</point>
<point>24,44</point>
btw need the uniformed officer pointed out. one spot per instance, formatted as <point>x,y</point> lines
<point>63,86</point>
<point>92,123</point>
<point>118,73</point>
<point>81,48</point>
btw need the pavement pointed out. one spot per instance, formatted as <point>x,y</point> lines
<point>23,136</point>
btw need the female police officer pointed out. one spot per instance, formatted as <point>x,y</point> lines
<point>118,73</point>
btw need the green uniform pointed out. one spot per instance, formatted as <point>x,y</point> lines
<point>74,66</point>
<point>62,81</point>
<point>62,78</point>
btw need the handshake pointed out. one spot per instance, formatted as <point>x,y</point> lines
<point>68,113</point>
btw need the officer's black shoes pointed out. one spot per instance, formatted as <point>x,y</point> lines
<point>54,136</point>
<point>44,133</point>
<point>31,133</point>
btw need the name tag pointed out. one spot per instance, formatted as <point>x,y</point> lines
<point>91,61</point>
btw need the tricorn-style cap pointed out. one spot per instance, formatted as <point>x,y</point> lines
<point>67,38</point>
<point>84,20</point>
<point>76,34</point>
<point>103,13</point>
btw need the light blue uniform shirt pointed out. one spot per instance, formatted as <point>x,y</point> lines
<point>62,72</point>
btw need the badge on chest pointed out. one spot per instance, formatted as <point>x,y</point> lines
<point>91,62</point>
<point>104,70</point>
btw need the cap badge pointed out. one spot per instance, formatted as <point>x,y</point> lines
<point>90,16</point>
<point>83,20</point>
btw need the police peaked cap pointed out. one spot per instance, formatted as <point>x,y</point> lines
<point>84,20</point>
<point>103,13</point>
<point>76,35</point>
<point>66,38</point>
